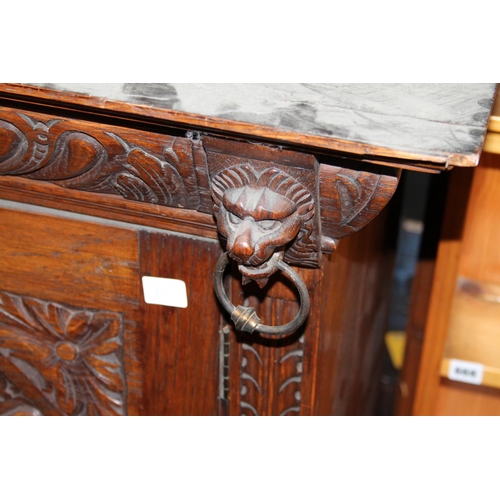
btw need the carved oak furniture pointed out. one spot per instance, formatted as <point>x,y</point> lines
<point>246,187</point>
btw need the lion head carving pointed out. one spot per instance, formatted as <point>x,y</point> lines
<point>259,212</point>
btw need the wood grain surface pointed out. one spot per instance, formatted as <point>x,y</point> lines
<point>180,347</point>
<point>352,322</point>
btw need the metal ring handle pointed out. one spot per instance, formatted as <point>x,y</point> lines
<point>245,318</point>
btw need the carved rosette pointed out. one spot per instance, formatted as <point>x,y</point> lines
<point>72,358</point>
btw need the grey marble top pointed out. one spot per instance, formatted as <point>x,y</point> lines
<point>443,120</point>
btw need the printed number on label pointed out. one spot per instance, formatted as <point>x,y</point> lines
<point>466,371</point>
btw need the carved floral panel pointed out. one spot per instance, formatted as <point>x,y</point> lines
<point>72,358</point>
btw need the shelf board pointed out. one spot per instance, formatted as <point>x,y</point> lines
<point>491,375</point>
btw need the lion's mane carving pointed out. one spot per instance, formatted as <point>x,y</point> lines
<point>253,188</point>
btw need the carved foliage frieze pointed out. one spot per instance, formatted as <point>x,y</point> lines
<point>150,168</point>
<point>72,357</point>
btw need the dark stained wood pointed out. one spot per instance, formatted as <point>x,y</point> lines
<point>265,205</point>
<point>81,157</point>
<point>440,123</point>
<point>270,376</point>
<point>268,205</point>
<point>330,365</point>
<point>352,322</point>
<point>253,184</point>
<point>107,206</point>
<point>58,248</point>
<point>138,165</point>
<point>181,347</point>
<point>174,359</point>
<point>171,171</point>
<point>72,357</point>
<point>351,199</point>
<point>82,278</point>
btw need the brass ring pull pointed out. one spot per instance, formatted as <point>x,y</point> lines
<point>245,318</point>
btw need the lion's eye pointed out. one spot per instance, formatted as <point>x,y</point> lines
<point>234,219</point>
<point>268,224</point>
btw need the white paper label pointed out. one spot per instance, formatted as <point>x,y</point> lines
<point>164,291</point>
<point>465,371</point>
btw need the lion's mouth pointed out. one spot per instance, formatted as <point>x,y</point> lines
<point>262,272</point>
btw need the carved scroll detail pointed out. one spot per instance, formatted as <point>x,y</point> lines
<point>257,361</point>
<point>38,154</point>
<point>293,357</point>
<point>149,178</point>
<point>175,171</point>
<point>250,362</point>
<point>73,357</point>
<point>351,199</point>
<point>99,161</point>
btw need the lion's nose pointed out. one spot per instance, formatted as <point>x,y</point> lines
<point>242,246</point>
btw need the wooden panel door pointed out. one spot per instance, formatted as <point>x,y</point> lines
<point>77,338</point>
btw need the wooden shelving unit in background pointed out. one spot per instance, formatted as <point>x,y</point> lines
<point>463,321</point>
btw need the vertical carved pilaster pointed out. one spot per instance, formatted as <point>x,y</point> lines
<point>266,373</point>
<point>270,377</point>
